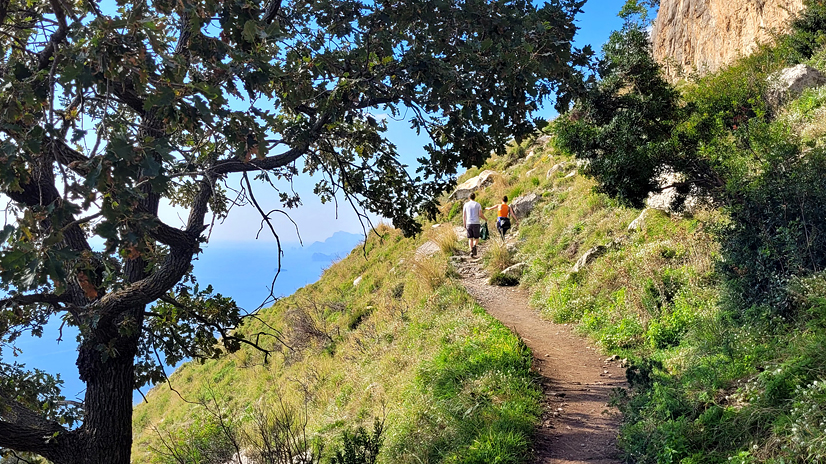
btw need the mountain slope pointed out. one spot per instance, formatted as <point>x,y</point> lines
<point>446,379</point>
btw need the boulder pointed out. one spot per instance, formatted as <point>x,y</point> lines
<point>516,270</point>
<point>570,174</point>
<point>556,168</point>
<point>484,179</point>
<point>530,171</point>
<point>357,281</point>
<point>663,199</point>
<point>639,222</point>
<point>589,257</point>
<point>542,141</point>
<point>511,247</point>
<point>522,206</point>
<point>427,249</point>
<point>789,83</point>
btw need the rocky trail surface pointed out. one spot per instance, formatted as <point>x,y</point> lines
<point>578,425</point>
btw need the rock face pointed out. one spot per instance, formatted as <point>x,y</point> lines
<point>473,184</point>
<point>791,82</point>
<point>703,35</point>
<point>522,206</point>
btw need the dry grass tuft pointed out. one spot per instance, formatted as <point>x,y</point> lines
<point>431,272</point>
<point>497,256</point>
<point>499,187</point>
<point>383,229</point>
<point>446,238</point>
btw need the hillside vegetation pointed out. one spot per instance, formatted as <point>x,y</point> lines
<point>404,345</point>
<point>719,305</point>
<point>721,312</point>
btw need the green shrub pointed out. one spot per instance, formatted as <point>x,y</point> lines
<point>774,233</point>
<point>808,31</point>
<point>567,303</point>
<point>359,446</point>
<point>503,280</point>
<point>455,210</point>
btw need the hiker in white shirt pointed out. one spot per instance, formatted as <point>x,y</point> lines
<point>472,215</point>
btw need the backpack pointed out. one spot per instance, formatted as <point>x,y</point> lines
<point>483,232</point>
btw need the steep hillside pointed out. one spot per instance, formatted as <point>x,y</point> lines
<point>391,334</point>
<point>384,334</point>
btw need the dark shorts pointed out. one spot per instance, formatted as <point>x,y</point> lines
<point>503,224</point>
<point>473,230</point>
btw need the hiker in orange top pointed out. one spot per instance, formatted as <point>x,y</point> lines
<point>505,212</point>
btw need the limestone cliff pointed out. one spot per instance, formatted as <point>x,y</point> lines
<point>703,35</point>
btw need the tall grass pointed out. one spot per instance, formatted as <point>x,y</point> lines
<point>350,353</point>
<point>497,256</point>
<point>447,239</point>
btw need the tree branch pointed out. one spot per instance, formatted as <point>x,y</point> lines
<point>272,11</point>
<point>270,162</point>
<point>45,56</point>
<point>183,244</point>
<point>224,330</point>
<point>67,156</point>
<point>45,298</point>
<point>21,429</point>
<point>173,237</point>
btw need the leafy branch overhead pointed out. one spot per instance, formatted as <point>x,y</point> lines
<point>109,108</point>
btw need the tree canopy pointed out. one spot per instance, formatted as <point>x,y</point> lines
<point>109,108</point>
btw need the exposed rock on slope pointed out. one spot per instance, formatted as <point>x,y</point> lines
<point>484,179</point>
<point>791,82</point>
<point>704,35</point>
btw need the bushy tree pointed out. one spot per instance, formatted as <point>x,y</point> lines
<point>624,126</point>
<point>110,107</point>
<point>808,30</point>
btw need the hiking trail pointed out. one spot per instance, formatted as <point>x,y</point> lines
<point>578,426</point>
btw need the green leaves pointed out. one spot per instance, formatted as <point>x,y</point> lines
<point>623,126</point>
<point>106,118</point>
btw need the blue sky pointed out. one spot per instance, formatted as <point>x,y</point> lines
<point>233,245</point>
<point>316,222</point>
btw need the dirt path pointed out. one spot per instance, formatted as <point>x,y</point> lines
<point>577,426</point>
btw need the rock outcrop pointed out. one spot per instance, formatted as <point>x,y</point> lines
<point>516,270</point>
<point>791,82</point>
<point>484,179</point>
<point>703,35</point>
<point>522,206</point>
<point>588,257</point>
<point>427,249</point>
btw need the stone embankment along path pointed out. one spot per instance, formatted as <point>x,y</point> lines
<point>578,426</point>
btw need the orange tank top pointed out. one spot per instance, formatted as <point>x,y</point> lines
<point>503,210</point>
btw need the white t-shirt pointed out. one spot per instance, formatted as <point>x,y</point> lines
<point>471,212</point>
